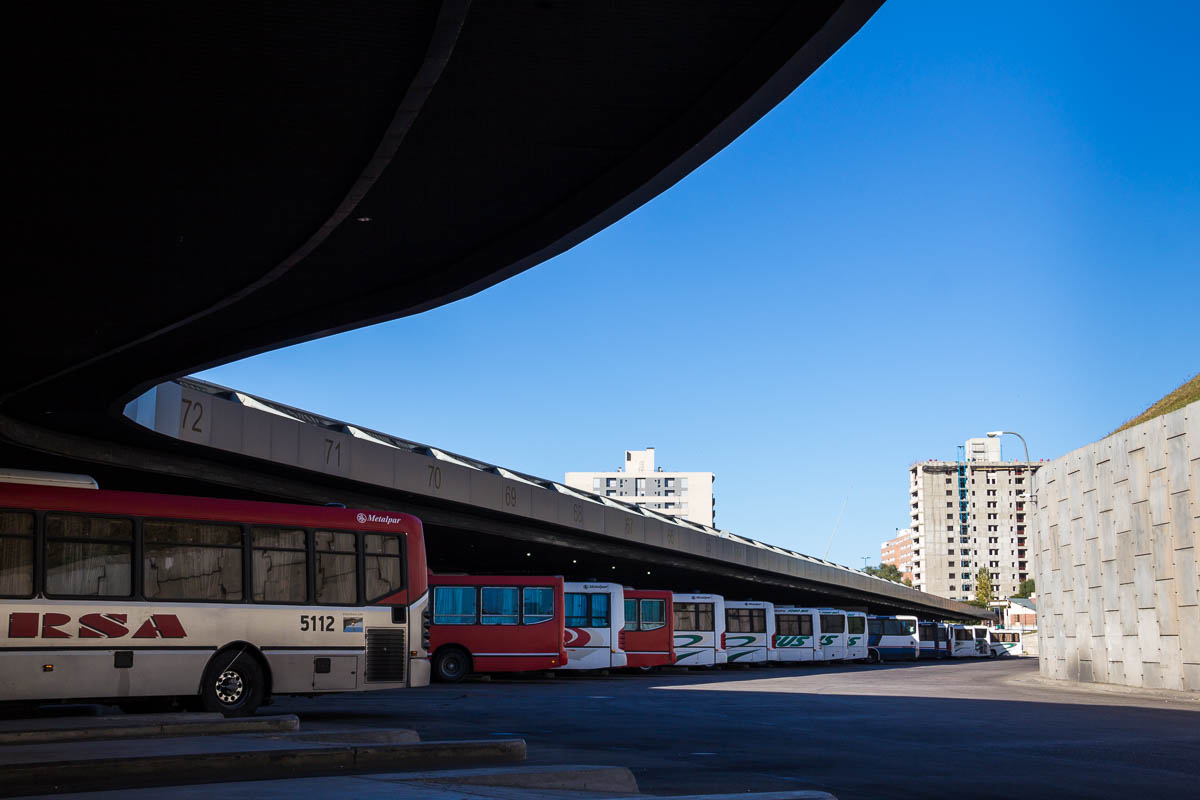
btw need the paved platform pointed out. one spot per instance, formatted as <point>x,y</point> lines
<point>248,749</point>
<point>835,728</point>
<point>131,726</point>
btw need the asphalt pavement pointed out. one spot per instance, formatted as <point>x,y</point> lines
<point>963,728</point>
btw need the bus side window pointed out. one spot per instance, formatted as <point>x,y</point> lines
<point>190,560</point>
<point>337,569</point>
<point>89,556</point>
<point>598,612</point>
<point>576,610</point>
<point>498,605</point>
<point>383,565</point>
<point>631,620</point>
<point>538,604</point>
<point>738,620</point>
<point>454,605</point>
<point>16,554</point>
<point>685,617</point>
<point>654,615</point>
<point>279,565</point>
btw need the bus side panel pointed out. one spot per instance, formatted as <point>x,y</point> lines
<point>856,647</point>
<point>794,647</point>
<point>77,673</point>
<point>746,647</point>
<point>833,646</point>
<point>592,648</point>
<point>696,648</point>
<point>505,648</point>
<point>648,648</point>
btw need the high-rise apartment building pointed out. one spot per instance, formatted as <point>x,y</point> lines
<point>898,553</point>
<point>969,514</point>
<point>639,482</point>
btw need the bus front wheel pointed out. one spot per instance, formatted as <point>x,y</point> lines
<point>873,657</point>
<point>233,685</point>
<point>451,665</point>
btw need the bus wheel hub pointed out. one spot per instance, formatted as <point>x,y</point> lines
<point>230,687</point>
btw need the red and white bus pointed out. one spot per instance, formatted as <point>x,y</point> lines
<point>595,626</point>
<point>124,596</point>
<point>495,623</point>
<point>649,628</point>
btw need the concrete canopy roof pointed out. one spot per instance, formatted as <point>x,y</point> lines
<point>203,186</point>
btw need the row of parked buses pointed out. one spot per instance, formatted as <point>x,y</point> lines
<point>221,604</point>
<point>492,623</point>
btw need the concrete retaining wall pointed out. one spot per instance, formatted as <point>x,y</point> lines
<point>1116,541</point>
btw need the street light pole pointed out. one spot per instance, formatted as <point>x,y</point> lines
<point>1028,463</point>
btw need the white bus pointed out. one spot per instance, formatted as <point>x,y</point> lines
<point>122,596</point>
<point>1005,642</point>
<point>1002,642</point>
<point>962,642</point>
<point>749,631</point>
<point>856,636</point>
<point>795,634</point>
<point>594,625</point>
<point>699,630</point>
<point>892,638</point>
<point>982,647</point>
<point>934,639</point>
<point>831,635</point>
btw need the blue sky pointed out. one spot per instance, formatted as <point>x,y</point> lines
<point>1021,184</point>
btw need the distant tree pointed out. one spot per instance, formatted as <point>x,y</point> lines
<point>907,582</point>
<point>983,586</point>
<point>1026,589</point>
<point>889,572</point>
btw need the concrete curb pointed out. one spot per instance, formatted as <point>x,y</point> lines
<point>794,794</point>
<point>109,773</point>
<point>1114,689</point>
<point>574,777</point>
<point>74,729</point>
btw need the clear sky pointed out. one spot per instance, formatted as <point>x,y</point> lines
<point>973,216</point>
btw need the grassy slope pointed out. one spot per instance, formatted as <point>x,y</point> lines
<point>1189,392</point>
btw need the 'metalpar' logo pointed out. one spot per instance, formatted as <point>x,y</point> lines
<point>377,518</point>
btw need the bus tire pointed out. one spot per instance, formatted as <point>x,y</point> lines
<point>873,657</point>
<point>451,665</point>
<point>233,684</point>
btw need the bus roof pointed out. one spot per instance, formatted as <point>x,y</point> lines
<point>38,478</point>
<point>215,509</point>
<point>495,580</point>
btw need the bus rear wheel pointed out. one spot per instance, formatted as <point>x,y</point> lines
<point>873,657</point>
<point>232,685</point>
<point>451,665</point>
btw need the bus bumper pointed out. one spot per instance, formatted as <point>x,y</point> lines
<point>418,673</point>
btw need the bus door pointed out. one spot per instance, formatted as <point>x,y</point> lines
<point>832,638</point>
<point>981,642</point>
<point>856,636</point>
<point>593,623</point>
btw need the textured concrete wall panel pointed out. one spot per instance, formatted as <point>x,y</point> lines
<point>1115,543</point>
